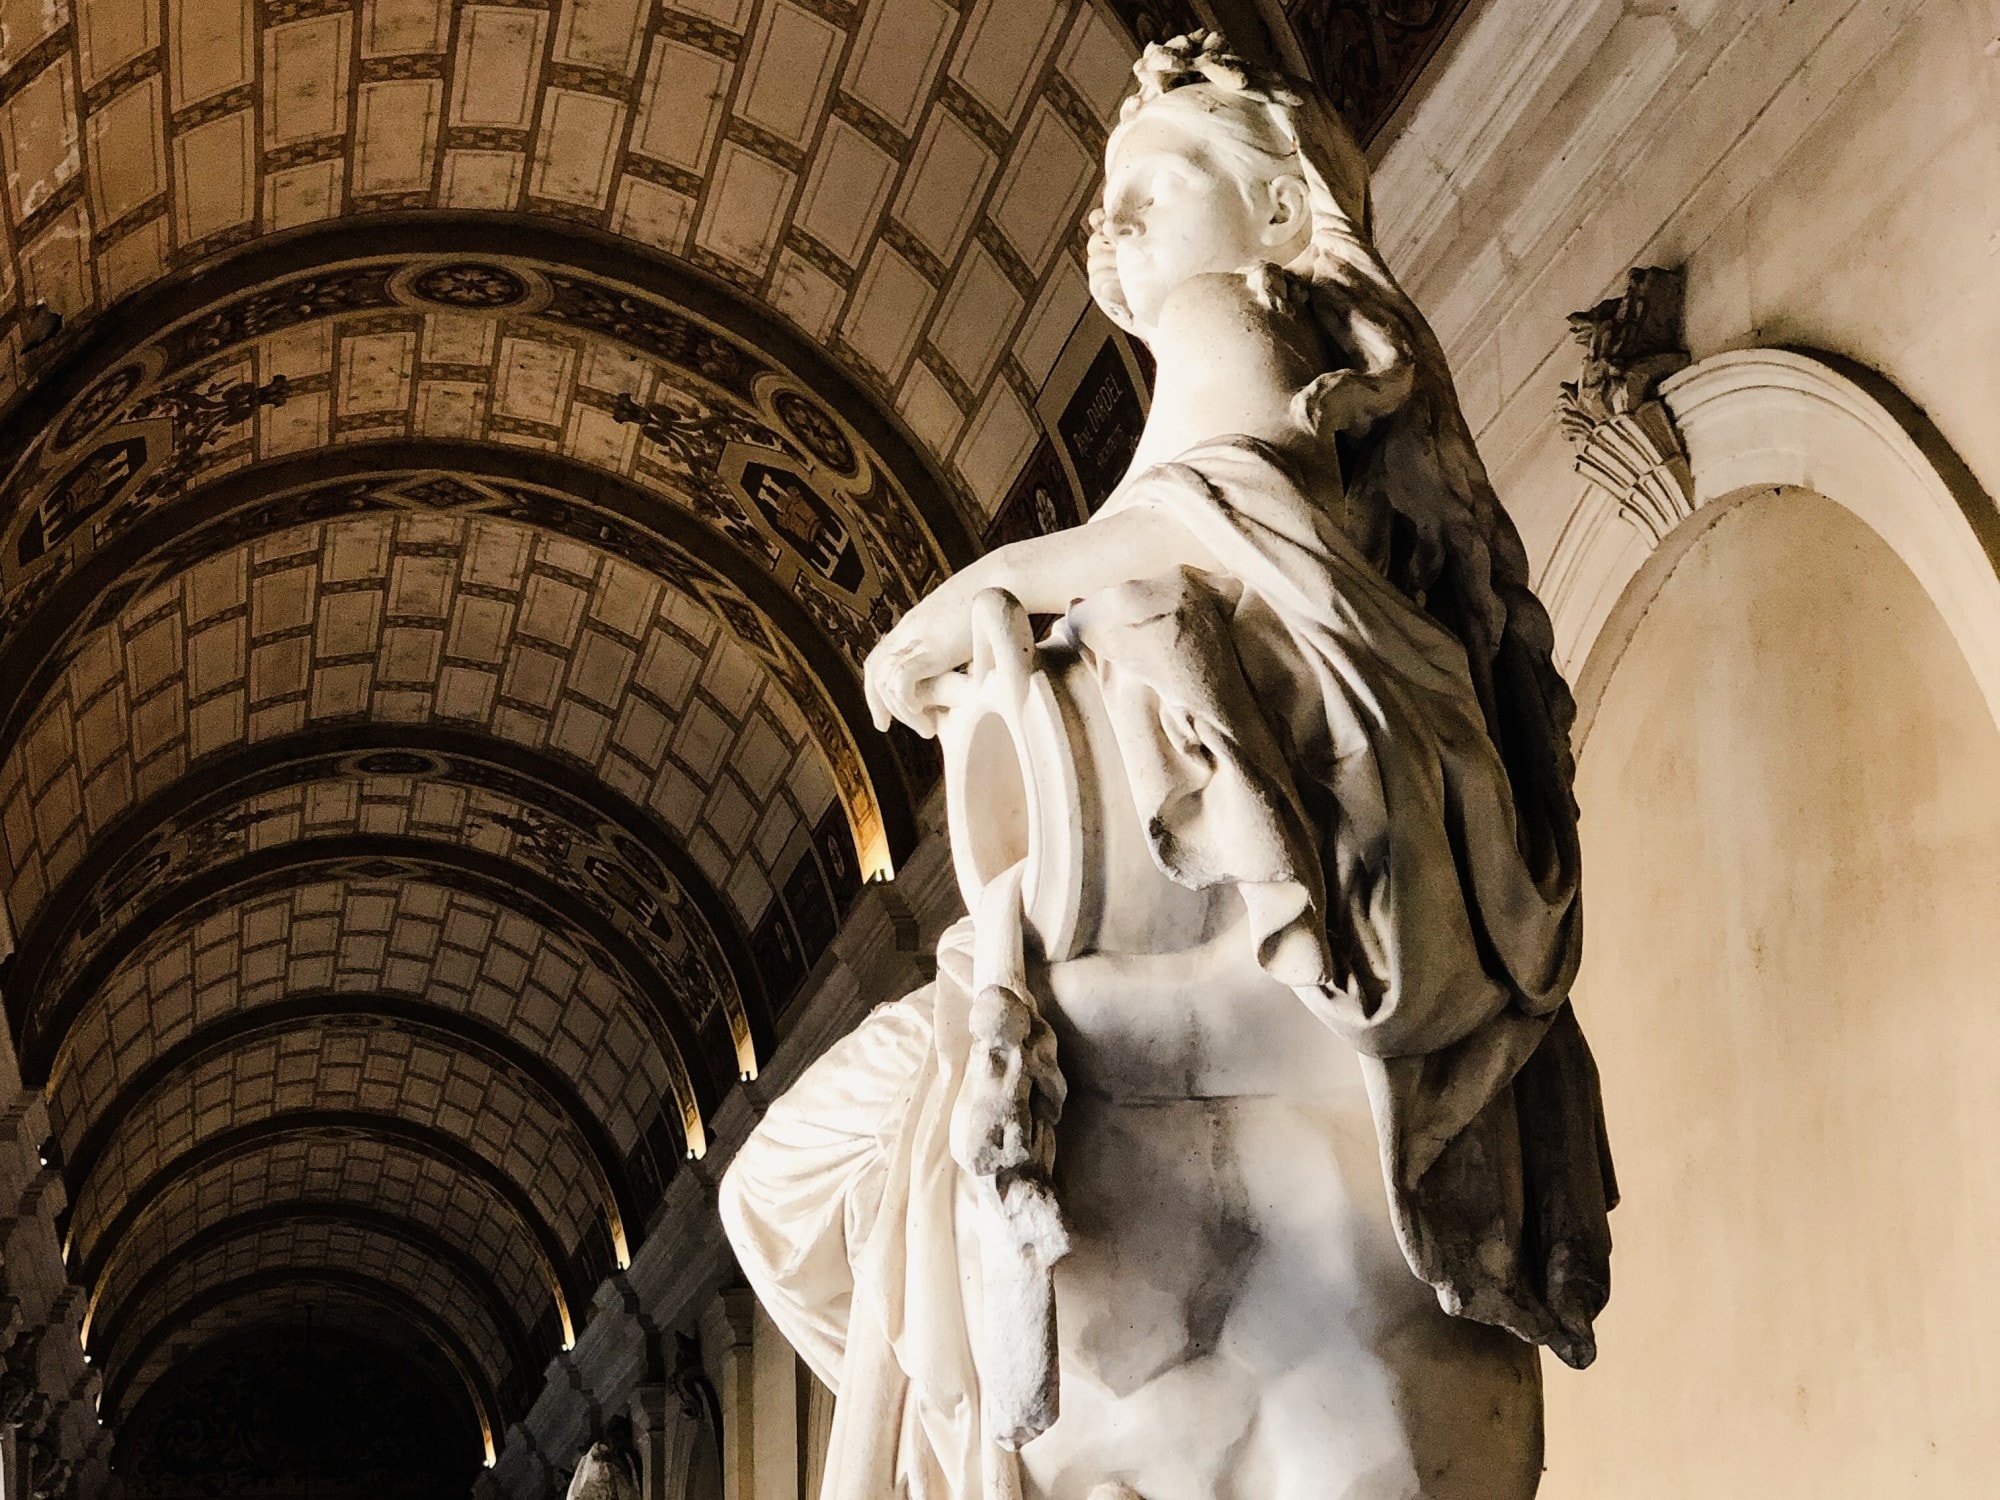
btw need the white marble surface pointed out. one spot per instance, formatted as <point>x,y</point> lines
<point>1127,1202</point>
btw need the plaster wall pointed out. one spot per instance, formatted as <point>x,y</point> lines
<point>1792,834</point>
<point>1827,170</point>
<point>1791,817</point>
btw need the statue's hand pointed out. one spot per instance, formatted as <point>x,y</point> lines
<point>905,676</point>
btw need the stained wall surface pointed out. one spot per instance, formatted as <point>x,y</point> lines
<point>1790,789</point>
<point>1792,834</point>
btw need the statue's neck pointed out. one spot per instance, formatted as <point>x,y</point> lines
<point>1227,367</point>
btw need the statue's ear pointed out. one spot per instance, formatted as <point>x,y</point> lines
<point>1290,208</point>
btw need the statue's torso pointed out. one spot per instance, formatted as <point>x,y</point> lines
<point>1235,1318</point>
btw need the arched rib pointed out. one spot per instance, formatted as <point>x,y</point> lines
<point>505,1318</point>
<point>263,765</point>
<point>400,1305</point>
<point>322,1125</point>
<point>50,1018</point>
<point>237,1028</point>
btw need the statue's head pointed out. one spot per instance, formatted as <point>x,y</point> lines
<point>1215,166</point>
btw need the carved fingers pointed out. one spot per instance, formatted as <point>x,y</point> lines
<point>895,680</point>
<point>910,676</point>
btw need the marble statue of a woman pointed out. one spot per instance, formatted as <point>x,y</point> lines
<point>1271,858</point>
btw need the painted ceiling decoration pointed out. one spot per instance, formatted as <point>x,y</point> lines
<point>631,401</point>
<point>1367,54</point>
<point>901,180</point>
<point>454,460</point>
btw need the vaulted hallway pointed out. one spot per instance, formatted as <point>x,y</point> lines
<point>455,457</point>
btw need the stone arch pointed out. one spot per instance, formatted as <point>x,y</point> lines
<point>274,1234</point>
<point>1755,421</point>
<point>141,1366</point>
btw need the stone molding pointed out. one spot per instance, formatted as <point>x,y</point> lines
<point>1753,421</point>
<point>1470,116</point>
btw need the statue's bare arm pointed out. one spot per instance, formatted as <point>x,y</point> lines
<point>1046,573</point>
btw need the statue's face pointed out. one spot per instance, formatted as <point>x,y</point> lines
<point>1175,208</point>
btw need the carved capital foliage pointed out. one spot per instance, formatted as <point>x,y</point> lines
<point>1626,441</point>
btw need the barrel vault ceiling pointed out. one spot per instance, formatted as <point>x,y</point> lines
<point>898,179</point>
<point>454,460</point>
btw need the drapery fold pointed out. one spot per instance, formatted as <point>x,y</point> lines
<point>855,1226</point>
<point>1293,725</point>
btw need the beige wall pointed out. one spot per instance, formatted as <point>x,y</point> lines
<point>1792,846</point>
<point>1792,791</point>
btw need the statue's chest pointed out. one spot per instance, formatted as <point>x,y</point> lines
<point>1205,1023</point>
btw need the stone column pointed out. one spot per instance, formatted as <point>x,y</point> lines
<point>816,1432</point>
<point>777,1396</point>
<point>667,1438</point>
<point>729,1339</point>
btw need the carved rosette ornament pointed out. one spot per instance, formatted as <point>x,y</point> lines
<point>1626,441</point>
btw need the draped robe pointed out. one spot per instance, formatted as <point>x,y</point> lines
<point>1294,727</point>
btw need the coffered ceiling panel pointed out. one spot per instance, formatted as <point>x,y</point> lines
<point>366,1178</point>
<point>531,638</point>
<point>408,621</point>
<point>886,174</point>
<point>279,1307</point>
<point>366,1071</point>
<point>414,1277</point>
<point>358,939</point>
<point>360,1162</point>
<point>767,499</point>
<point>405,1264</point>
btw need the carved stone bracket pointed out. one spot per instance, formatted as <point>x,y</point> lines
<point>1626,441</point>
